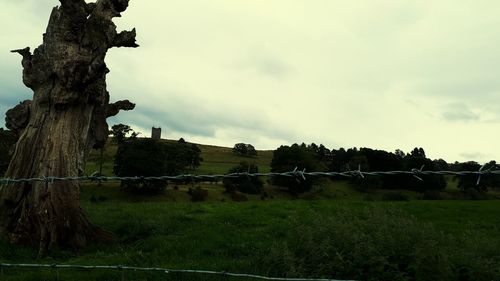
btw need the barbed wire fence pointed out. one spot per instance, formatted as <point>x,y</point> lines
<point>299,175</point>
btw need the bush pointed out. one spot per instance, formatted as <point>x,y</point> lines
<point>198,194</point>
<point>245,184</point>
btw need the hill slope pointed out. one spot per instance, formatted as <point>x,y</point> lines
<point>216,159</point>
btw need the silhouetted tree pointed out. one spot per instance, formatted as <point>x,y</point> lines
<point>286,159</point>
<point>243,149</point>
<point>245,184</point>
<point>119,132</point>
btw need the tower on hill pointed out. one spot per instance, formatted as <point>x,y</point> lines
<point>156,133</point>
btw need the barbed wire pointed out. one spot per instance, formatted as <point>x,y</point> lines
<point>158,269</point>
<point>300,175</point>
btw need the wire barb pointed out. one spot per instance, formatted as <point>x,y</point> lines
<point>299,175</point>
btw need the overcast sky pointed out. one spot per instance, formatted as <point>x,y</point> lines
<point>375,73</point>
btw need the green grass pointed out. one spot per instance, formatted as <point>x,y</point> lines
<point>230,236</point>
<point>219,160</point>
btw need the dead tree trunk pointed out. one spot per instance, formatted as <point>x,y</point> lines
<point>63,122</point>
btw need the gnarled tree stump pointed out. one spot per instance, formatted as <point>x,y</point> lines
<point>63,122</point>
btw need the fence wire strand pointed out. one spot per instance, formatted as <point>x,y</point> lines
<point>297,174</point>
<point>158,269</point>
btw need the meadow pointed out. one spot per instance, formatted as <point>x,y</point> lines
<point>334,231</point>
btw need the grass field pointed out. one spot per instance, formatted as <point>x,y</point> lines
<point>238,236</point>
<point>334,231</point>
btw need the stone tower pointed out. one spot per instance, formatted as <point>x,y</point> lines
<point>156,133</point>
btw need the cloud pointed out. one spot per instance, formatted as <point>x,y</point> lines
<point>266,65</point>
<point>473,156</point>
<point>275,72</point>
<point>459,112</point>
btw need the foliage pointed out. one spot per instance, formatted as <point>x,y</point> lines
<point>368,160</point>
<point>143,157</point>
<point>470,182</point>
<point>288,158</point>
<point>245,184</point>
<point>243,149</point>
<point>148,157</point>
<point>120,131</point>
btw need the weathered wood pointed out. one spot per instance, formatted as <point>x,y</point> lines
<point>63,122</point>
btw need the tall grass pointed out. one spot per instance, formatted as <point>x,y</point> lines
<point>383,244</point>
<point>415,240</point>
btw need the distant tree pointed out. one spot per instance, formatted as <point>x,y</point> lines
<point>418,160</point>
<point>240,149</point>
<point>181,140</point>
<point>142,157</point>
<point>134,135</point>
<point>119,132</point>
<point>195,156</point>
<point>441,165</point>
<point>251,150</point>
<point>418,152</point>
<point>339,160</point>
<point>400,153</point>
<point>148,157</point>
<point>244,184</point>
<point>468,182</point>
<point>378,160</point>
<point>323,153</point>
<point>243,149</point>
<point>286,159</point>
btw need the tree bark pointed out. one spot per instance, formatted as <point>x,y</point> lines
<point>63,122</point>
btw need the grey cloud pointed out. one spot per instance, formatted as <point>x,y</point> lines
<point>272,67</point>
<point>472,156</point>
<point>459,112</point>
<point>195,118</point>
<point>266,65</point>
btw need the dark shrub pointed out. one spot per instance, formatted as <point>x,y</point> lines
<point>432,195</point>
<point>198,194</point>
<point>238,197</point>
<point>245,184</point>
<point>395,196</point>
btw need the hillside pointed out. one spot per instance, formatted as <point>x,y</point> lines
<point>216,159</point>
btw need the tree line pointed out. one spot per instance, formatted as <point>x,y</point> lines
<point>319,158</point>
<point>147,157</point>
